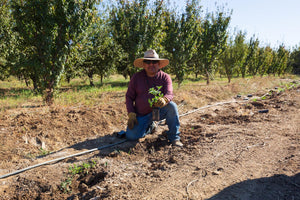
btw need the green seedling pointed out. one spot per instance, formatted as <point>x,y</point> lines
<point>156,93</point>
<point>44,152</point>
<point>65,185</point>
<point>281,90</point>
<point>82,169</point>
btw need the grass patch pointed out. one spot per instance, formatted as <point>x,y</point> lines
<point>15,93</point>
<point>198,94</point>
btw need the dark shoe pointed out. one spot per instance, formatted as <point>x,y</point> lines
<point>121,134</point>
<point>177,143</point>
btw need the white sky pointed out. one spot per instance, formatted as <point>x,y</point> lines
<point>272,21</point>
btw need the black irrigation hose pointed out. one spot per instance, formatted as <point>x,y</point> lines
<point>196,110</point>
<point>62,158</point>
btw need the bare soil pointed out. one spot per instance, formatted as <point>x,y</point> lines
<point>232,150</point>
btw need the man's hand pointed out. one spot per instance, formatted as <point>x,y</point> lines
<point>131,120</point>
<point>161,102</point>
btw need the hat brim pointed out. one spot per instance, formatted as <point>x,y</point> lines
<point>139,62</point>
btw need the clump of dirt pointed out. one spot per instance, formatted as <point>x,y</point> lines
<point>246,149</point>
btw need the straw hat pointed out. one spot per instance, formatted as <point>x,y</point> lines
<point>151,55</point>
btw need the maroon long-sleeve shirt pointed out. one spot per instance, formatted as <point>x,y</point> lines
<point>138,91</point>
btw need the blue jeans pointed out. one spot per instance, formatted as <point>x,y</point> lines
<point>169,112</point>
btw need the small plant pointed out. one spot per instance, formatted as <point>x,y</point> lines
<point>281,90</point>
<point>82,169</point>
<point>156,93</point>
<point>65,185</point>
<point>44,152</point>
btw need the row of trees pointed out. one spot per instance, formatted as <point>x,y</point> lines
<point>43,41</point>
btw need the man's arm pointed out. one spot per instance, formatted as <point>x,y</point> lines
<point>130,96</point>
<point>168,88</point>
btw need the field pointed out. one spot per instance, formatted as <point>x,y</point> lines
<point>241,141</point>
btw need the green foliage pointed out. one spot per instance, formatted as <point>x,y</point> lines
<point>156,93</point>
<point>253,53</point>
<point>46,29</point>
<point>81,170</point>
<point>213,41</point>
<point>240,50</point>
<point>181,38</point>
<point>100,53</point>
<point>7,40</point>
<point>42,42</point>
<point>228,61</point>
<point>280,61</point>
<point>266,60</point>
<point>294,61</point>
<point>65,185</point>
<point>44,152</point>
<point>135,28</point>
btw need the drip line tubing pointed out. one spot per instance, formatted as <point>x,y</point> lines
<point>61,158</point>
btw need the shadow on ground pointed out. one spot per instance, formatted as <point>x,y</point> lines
<point>269,188</point>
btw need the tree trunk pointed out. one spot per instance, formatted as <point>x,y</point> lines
<point>229,78</point>
<point>207,77</point>
<point>49,93</point>
<point>90,75</point>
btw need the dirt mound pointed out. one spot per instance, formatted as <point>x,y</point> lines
<point>246,149</point>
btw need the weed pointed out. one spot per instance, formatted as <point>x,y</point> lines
<point>281,90</point>
<point>65,185</point>
<point>44,152</point>
<point>81,169</point>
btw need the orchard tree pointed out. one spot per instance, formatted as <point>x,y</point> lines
<point>280,60</point>
<point>181,38</point>
<point>266,58</point>
<point>234,56</point>
<point>135,26</point>
<point>101,53</point>
<point>46,28</point>
<point>252,57</point>
<point>7,39</point>
<point>240,50</point>
<point>213,41</point>
<point>229,61</point>
<point>294,60</point>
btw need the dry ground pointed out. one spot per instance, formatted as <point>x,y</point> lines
<point>231,151</point>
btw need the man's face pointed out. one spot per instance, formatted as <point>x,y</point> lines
<point>151,67</point>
